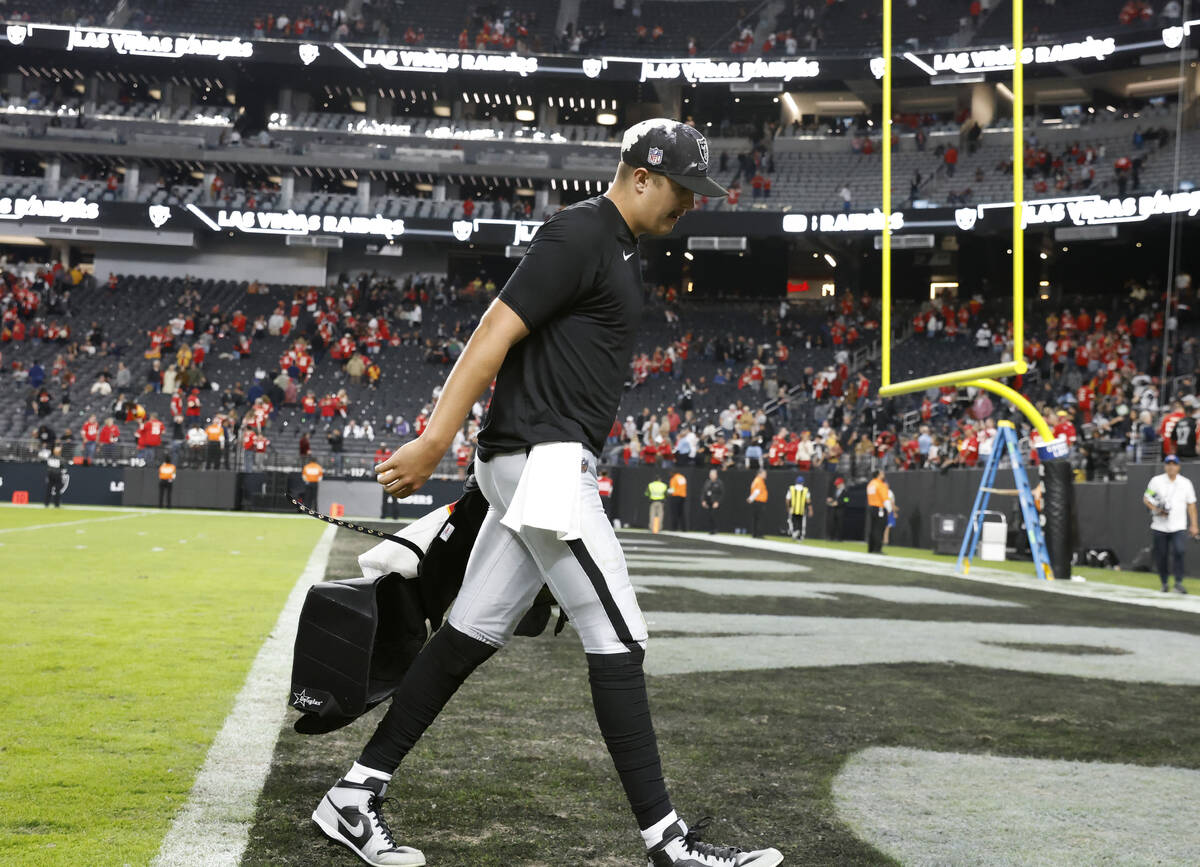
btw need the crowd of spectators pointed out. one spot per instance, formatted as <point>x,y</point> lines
<point>1096,367</point>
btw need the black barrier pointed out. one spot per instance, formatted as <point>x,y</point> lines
<point>1059,511</point>
<point>632,508</point>
<point>193,489</point>
<point>82,486</point>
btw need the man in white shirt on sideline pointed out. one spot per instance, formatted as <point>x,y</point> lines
<point>1171,500</point>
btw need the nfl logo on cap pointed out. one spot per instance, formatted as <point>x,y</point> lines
<point>654,157</point>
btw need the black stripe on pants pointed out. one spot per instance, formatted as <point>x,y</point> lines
<point>603,593</point>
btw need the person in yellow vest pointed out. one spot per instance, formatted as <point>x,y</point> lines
<point>657,492</point>
<point>758,503</point>
<point>166,482</point>
<point>313,474</point>
<point>677,491</point>
<point>799,509</point>
<point>215,432</point>
<point>877,506</point>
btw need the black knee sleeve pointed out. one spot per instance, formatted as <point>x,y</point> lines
<point>435,675</point>
<point>623,712</point>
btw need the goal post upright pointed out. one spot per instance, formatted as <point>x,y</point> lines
<point>989,374</point>
<point>885,359</point>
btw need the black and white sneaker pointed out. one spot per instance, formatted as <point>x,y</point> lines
<point>349,813</point>
<point>685,849</point>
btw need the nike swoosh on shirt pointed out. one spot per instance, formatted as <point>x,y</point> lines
<point>629,255</point>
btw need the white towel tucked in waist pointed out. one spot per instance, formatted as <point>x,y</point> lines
<point>547,496</point>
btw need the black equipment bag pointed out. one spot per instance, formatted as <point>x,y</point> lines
<point>357,638</point>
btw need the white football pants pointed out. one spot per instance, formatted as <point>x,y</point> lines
<point>587,576</point>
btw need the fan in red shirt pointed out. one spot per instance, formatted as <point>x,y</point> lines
<point>968,449</point>
<point>1065,428</point>
<point>193,404</point>
<point>1086,396</point>
<point>309,404</point>
<point>1140,327</point>
<point>884,441</point>
<point>776,451</point>
<point>90,434</point>
<point>1166,428</point>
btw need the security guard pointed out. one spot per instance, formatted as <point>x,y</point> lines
<point>166,482</point>
<point>836,503</point>
<point>313,474</point>
<point>677,491</point>
<point>877,509</point>
<point>758,502</point>
<point>710,499</point>
<point>657,492</point>
<point>799,505</point>
<point>54,477</point>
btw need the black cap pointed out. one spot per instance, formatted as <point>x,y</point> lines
<point>671,148</point>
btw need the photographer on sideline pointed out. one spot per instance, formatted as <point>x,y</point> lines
<point>1171,500</point>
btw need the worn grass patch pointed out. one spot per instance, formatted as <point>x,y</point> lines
<point>515,773</point>
<point>123,643</point>
<point>1069,649</point>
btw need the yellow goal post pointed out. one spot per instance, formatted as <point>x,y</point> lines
<point>981,377</point>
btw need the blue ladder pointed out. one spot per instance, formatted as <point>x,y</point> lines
<point>1006,444</point>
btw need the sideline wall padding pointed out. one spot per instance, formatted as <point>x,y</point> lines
<point>194,489</point>
<point>83,486</point>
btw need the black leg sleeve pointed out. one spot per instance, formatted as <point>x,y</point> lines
<point>623,712</point>
<point>436,674</point>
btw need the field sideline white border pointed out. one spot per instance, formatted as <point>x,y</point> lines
<point>1089,589</point>
<point>213,827</point>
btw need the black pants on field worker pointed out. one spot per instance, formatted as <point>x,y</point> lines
<point>678,513</point>
<point>758,514</point>
<point>54,486</point>
<point>876,524</point>
<point>164,493</point>
<point>1168,554</point>
<point>797,525</point>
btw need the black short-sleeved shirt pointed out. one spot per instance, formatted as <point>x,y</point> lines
<point>579,291</point>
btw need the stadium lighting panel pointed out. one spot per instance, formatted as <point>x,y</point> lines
<point>981,377</point>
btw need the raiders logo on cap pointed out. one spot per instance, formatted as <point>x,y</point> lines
<point>674,149</point>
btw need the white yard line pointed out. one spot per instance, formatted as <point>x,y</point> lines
<point>73,523</point>
<point>213,827</point>
<point>1090,589</point>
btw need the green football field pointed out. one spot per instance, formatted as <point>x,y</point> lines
<point>843,712</point>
